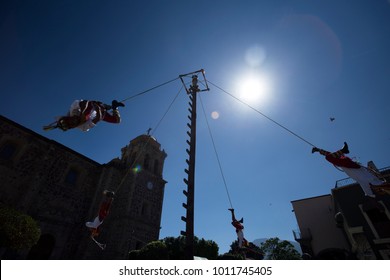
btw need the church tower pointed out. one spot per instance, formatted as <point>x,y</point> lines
<point>145,159</point>
<point>135,214</point>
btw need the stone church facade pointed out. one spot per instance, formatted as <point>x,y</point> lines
<point>62,189</point>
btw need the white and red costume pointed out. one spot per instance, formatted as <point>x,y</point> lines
<point>366,177</point>
<point>239,230</point>
<point>104,209</point>
<point>90,112</point>
<point>84,114</point>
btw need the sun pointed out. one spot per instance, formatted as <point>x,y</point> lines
<point>254,88</point>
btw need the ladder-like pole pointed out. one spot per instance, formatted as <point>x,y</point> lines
<point>190,181</point>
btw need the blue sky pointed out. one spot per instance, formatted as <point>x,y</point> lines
<point>321,59</point>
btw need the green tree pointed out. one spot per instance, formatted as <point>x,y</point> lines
<point>17,230</point>
<point>234,247</point>
<point>250,251</point>
<point>176,247</point>
<point>206,248</point>
<point>231,256</point>
<point>276,249</point>
<point>155,250</point>
<point>173,248</point>
<point>202,248</point>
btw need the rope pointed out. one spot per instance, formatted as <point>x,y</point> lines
<point>257,111</point>
<point>216,153</point>
<point>145,91</point>
<point>101,245</point>
<point>147,142</point>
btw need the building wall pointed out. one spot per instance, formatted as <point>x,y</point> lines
<point>315,217</point>
<point>62,189</point>
<point>345,223</point>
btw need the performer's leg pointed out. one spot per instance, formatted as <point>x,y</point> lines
<point>104,208</point>
<point>233,216</point>
<point>337,154</point>
<point>240,236</point>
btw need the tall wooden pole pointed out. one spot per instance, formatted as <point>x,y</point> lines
<point>190,181</point>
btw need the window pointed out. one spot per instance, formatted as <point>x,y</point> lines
<point>156,167</point>
<point>43,249</point>
<point>72,176</point>
<point>8,151</point>
<point>146,162</point>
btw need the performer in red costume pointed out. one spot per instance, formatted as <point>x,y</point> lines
<point>85,114</point>
<point>365,176</point>
<point>103,212</point>
<point>239,229</point>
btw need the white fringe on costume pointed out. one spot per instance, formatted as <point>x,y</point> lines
<point>75,110</point>
<point>364,177</point>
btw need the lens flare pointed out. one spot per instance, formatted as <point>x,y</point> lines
<point>255,56</point>
<point>215,115</point>
<point>137,169</point>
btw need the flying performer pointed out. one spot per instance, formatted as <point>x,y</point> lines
<point>367,178</point>
<point>104,209</point>
<point>85,114</point>
<point>239,229</point>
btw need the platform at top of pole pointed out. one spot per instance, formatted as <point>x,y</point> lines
<point>192,78</point>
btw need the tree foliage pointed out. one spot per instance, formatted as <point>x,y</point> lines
<point>17,230</point>
<point>173,248</point>
<point>249,252</point>
<point>231,256</point>
<point>276,249</point>
<point>202,248</point>
<point>155,250</point>
<point>206,248</point>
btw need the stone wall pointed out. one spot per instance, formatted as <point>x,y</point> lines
<point>62,189</point>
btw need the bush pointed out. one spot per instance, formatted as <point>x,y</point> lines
<point>155,250</point>
<point>18,231</point>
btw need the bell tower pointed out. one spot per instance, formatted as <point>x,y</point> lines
<point>145,159</point>
<point>135,215</point>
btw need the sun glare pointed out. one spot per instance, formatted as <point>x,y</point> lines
<point>254,88</point>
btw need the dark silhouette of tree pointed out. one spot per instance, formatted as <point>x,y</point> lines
<point>206,248</point>
<point>247,252</point>
<point>231,256</point>
<point>18,231</point>
<point>155,250</point>
<point>176,247</point>
<point>276,249</point>
<point>173,248</point>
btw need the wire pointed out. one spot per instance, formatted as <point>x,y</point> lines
<point>145,91</point>
<point>257,111</point>
<point>147,142</point>
<point>216,153</point>
<point>169,107</point>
